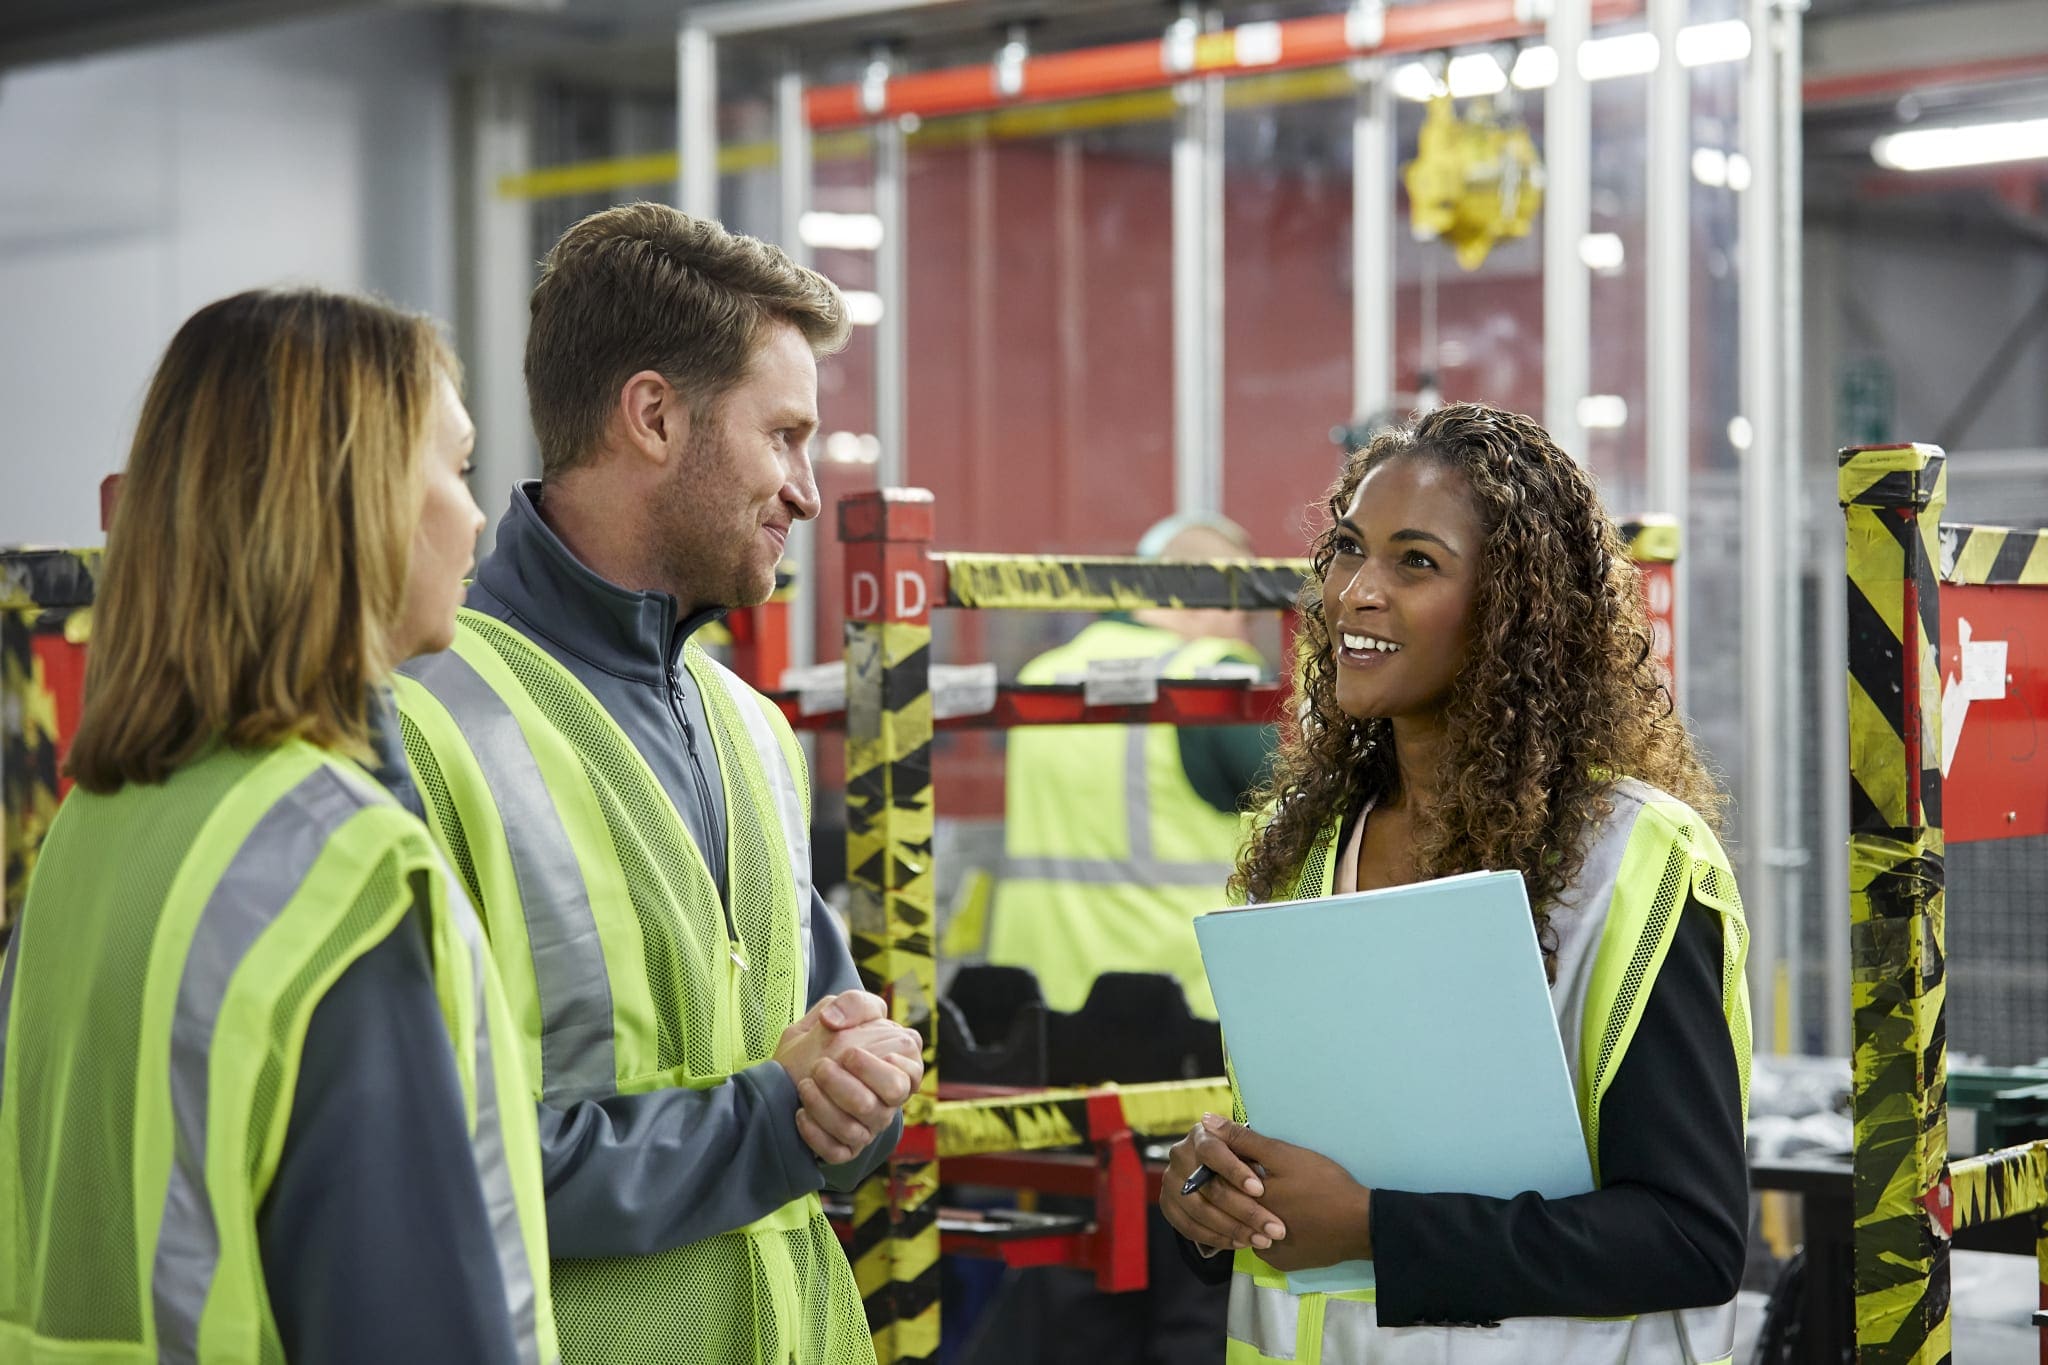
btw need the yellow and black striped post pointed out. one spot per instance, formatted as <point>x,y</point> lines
<point>887,534</point>
<point>1892,498</point>
<point>41,591</point>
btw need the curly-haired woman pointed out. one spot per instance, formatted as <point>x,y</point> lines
<point>1477,692</point>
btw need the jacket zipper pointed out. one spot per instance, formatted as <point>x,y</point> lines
<point>703,784</point>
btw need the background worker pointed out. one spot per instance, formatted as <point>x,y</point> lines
<point>261,1097</point>
<point>1479,692</point>
<point>633,820</point>
<point>1116,836</point>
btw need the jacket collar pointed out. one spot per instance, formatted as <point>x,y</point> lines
<point>633,634</point>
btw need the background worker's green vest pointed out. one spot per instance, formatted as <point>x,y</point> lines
<point>175,943</point>
<point>1614,929</point>
<point>1109,851</point>
<point>626,970</point>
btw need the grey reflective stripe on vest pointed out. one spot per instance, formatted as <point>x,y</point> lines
<point>1708,1334</point>
<point>259,882</point>
<point>782,786</point>
<point>507,1228</point>
<point>1263,1317</point>
<point>1267,1319</point>
<point>1141,867</point>
<point>577,1060</point>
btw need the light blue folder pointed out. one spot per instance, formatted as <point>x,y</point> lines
<point>1407,1034</point>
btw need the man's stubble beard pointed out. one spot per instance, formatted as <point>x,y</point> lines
<point>698,565</point>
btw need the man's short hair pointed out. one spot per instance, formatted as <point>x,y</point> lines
<point>646,287</point>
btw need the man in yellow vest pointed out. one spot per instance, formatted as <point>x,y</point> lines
<point>1082,894</point>
<point>632,819</point>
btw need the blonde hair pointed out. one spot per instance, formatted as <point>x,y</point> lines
<point>647,287</point>
<point>258,556</point>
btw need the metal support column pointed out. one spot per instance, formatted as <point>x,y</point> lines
<point>1197,279</point>
<point>793,176</point>
<point>697,120</point>
<point>887,535</point>
<point>1667,268</point>
<point>1795,875</point>
<point>1567,213</point>
<point>1764,534</point>
<point>1372,243</point>
<point>1892,498</point>
<point>891,377</point>
<point>497,276</point>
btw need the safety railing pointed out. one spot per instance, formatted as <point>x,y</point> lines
<point>1915,588</point>
<point>45,618</point>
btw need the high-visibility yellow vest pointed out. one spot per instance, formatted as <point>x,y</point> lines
<point>176,940</point>
<point>625,969</point>
<point>1614,929</point>
<point>1109,851</point>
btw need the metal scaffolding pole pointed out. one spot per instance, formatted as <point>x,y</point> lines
<point>1667,270</point>
<point>697,120</point>
<point>793,175</point>
<point>891,382</point>
<point>1372,243</point>
<point>1567,212</point>
<point>1197,282</point>
<point>1764,536</point>
<point>1794,857</point>
<point>497,276</point>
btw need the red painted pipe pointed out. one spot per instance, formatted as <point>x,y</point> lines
<point>1321,40</point>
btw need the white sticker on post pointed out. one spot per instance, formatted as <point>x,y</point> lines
<point>1121,682</point>
<point>963,690</point>
<point>1229,670</point>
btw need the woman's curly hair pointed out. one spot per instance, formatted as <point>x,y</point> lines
<point>1558,695</point>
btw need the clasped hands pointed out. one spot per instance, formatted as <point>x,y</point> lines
<point>1296,1208</point>
<point>853,1070</point>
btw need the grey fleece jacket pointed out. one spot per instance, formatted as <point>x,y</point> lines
<point>375,1198</point>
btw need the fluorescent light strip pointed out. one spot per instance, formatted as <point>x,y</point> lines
<point>863,307</point>
<point>1626,54</point>
<point>1603,412</point>
<point>840,231</point>
<point>1981,144</point>
<point>1600,59</point>
<point>1709,44</point>
<point>1474,74</point>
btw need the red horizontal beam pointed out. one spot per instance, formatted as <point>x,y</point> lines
<point>1319,40</point>
<point>1022,1253</point>
<point>1181,702</point>
<point>1856,86</point>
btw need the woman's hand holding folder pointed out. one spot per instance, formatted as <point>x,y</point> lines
<point>1297,1208</point>
<point>1222,1213</point>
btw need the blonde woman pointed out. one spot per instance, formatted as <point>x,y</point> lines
<point>260,1095</point>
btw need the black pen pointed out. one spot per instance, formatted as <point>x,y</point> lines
<point>1202,1176</point>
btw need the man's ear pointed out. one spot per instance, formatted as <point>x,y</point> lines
<point>652,415</point>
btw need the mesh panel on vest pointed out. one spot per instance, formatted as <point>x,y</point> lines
<point>71,1077</point>
<point>680,934</point>
<point>426,770</point>
<point>760,901</point>
<point>1670,898</point>
<point>710,1303</point>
